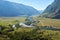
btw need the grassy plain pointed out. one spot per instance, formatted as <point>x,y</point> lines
<point>11,20</point>
<point>48,22</point>
<point>29,33</point>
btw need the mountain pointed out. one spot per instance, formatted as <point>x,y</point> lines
<point>40,11</point>
<point>10,9</point>
<point>53,10</point>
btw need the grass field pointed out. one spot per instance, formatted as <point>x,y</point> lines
<point>42,21</point>
<point>29,33</point>
<point>11,20</point>
<point>48,22</point>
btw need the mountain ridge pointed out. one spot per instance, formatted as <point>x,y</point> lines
<point>53,10</point>
<point>14,9</point>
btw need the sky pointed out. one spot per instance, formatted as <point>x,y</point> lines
<point>37,4</point>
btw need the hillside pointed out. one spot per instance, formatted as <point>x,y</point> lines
<point>14,9</point>
<point>53,10</point>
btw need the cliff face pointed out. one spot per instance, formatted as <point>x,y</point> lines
<point>53,10</point>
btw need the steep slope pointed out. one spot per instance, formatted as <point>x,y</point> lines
<point>53,10</point>
<point>14,9</point>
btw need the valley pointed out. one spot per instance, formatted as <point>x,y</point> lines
<point>44,29</point>
<point>29,20</point>
<point>39,22</point>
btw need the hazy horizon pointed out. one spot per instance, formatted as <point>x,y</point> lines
<point>39,5</point>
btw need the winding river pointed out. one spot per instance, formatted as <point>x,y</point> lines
<point>42,28</point>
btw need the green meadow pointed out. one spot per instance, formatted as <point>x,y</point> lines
<point>26,33</point>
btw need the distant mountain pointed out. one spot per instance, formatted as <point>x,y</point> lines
<point>53,10</point>
<point>41,11</point>
<point>10,9</point>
